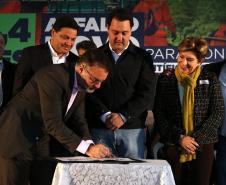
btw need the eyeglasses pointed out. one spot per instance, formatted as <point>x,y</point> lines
<point>92,78</point>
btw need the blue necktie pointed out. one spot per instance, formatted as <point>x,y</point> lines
<point>116,56</point>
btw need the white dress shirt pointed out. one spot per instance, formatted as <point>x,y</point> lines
<point>84,145</point>
<point>55,58</point>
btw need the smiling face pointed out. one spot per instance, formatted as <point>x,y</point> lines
<point>119,33</point>
<point>187,62</point>
<point>63,40</point>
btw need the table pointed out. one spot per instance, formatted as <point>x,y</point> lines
<point>150,172</point>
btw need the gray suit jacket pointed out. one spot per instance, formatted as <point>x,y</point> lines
<point>39,109</point>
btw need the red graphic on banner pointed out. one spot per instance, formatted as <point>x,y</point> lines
<point>158,22</point>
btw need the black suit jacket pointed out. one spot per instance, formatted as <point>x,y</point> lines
<point>215,67</point>
<point>129,88</point>
<point>39,109</point>
<point>32,59</point>
<point>7,78</point>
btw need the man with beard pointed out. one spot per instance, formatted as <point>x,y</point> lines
<point>56,51</point>
<point>51,104</point>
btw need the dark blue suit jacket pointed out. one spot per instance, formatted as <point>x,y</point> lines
<point>129,88</point>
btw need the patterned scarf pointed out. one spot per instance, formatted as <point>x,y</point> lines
<point>188,82</point>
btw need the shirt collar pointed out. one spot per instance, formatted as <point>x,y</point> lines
<point>53,53</point>
<point>121,51</point>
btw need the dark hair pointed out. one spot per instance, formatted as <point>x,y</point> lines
<point>197,45</point>
<point>86,44</point>
<point>120,14</point>
<point>94,57</point>
<point>65,22</point>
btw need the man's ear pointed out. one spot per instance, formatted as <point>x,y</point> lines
<point>52,32</point>
<point>81,67</point>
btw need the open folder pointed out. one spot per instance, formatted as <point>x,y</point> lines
<point>82,159</point>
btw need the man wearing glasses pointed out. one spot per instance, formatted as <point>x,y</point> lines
<point>94,80</point>
<point>51,104</point>
<point>55,51</point>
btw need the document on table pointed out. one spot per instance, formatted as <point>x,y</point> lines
<point>82,159</point>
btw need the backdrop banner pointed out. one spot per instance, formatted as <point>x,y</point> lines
<point>19,32</point>
<point>157,37</point>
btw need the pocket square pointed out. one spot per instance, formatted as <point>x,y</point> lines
<point>201,82</point>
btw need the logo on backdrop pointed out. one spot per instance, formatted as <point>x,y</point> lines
<point>92,27</point>
<point>165,56</point>
<point>19,30</point>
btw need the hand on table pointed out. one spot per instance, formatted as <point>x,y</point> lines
<point>98,151</point>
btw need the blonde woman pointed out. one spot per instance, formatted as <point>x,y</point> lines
<point>188,110</point>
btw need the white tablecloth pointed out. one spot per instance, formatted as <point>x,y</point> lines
<point>152,172</point>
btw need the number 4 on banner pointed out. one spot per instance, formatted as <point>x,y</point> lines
<point>20,30</point>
